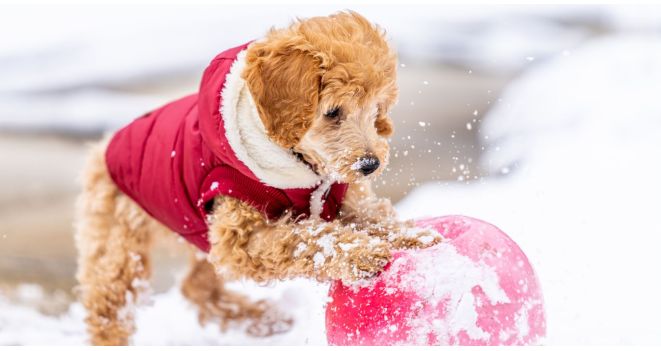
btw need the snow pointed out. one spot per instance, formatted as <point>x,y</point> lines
<point>346,247</point>
<point>300,248</point>
<point>362,162</point>
<point>318,196</point>
<point>415,232</point>
<point>426,239</point>
<point>522,323</point>
<point>326,243</point>
<point>157,324</point>
<point>319,259</point>
<point>454,277</point>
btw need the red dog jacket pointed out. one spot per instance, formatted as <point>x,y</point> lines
<point>175,160</point>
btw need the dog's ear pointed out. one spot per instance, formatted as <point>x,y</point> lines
<point>284,79</point>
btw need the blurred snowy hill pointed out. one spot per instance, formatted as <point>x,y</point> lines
<point>89,69</point>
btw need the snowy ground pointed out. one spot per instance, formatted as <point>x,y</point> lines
<point>574,150</point>
<point>169,319</point>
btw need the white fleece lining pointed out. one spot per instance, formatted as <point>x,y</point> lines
<point>272,164</point>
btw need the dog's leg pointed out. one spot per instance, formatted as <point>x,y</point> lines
<point>205,288</point>
<point>377,216</point>
<point>113,263</point>
<point>244,244</point>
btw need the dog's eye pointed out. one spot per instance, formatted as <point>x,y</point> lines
<point>333,113</point>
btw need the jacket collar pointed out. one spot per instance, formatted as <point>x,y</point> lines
<point>231,128</point>
<point>272,164</point>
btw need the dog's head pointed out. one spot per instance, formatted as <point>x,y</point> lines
<point>323,88</point>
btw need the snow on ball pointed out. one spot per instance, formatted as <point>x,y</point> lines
<point>475,288</point>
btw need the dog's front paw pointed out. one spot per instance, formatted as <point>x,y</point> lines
<point>360,260</point>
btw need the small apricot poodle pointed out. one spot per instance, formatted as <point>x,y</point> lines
<point>266,172</point>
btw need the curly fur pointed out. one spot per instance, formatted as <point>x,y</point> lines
<point>295,76</point>
<point>297,72</point>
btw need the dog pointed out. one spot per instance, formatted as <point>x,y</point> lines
<point>266,172</point>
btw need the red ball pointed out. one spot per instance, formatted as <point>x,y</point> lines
<point>475,288</point>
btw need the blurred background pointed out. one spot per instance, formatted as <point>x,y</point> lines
<point>496,104</point>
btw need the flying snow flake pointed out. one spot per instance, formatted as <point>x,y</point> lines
<point>475,112</point>
<point>214,186</point>
<point>422,124</point>
<point>173,153</point>
<point>469,126</point>
<point>425,82</point>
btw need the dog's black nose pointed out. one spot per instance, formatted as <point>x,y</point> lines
<point>368,165</point>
